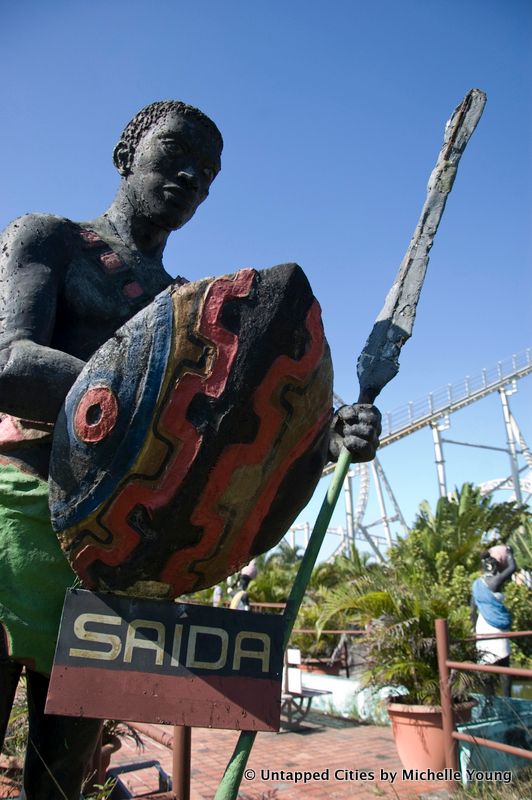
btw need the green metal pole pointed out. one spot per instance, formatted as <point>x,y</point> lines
<point>315,542</point>
<point>234,771</point>
<point>232,777</point>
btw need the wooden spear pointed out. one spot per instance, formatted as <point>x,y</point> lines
<point>377,365</point>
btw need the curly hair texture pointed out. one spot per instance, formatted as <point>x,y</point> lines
<point>150,115</point>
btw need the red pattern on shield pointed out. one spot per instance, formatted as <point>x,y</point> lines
<point>232,439</point>
<point>179,571</point>
<point>96,414</point>
<point>173,420</point>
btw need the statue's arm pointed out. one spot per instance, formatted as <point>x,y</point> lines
<point>34,378</point>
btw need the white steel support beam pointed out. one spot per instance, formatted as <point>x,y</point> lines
<point>371,542</point>
<point>512,449</point>
<point>348,495</point>
<point>525,450</point>
<point>384,480</point>
<point>438,457</point>
<point>380,497</point>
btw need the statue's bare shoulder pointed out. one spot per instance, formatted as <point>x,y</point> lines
<point>37,235</point>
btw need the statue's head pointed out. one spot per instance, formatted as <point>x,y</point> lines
<point>168,155</point>
<point>490,565</point>
<point>495,559</point>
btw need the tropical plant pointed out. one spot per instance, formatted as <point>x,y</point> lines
<point>521,543</point>
<point>312,645</point>
<point>400,639</point>
<point>429,575</point>
<point>433,565</point>
<point>285,555</point>
<point>102,791</point>
<point>462,527</point>
<point>116,729</point>
<point>17,731</point>
<point>340,569</point>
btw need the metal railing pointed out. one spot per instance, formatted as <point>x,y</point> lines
<point>445,664</point>
<point>417,414</point>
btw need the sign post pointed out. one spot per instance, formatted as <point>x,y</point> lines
<point>181,757</point>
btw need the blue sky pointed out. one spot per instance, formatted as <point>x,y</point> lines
<point>332,115</point>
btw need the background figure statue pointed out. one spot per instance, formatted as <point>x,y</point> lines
<point>489,611</point>
<point>240,599</point>
<point>65,288</point>
<point>217,595</point>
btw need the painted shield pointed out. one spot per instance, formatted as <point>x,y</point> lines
<point>195,435</point>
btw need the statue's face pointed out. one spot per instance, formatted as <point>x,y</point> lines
<point>173,167</point>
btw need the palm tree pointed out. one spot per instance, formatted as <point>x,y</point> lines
<point>428,576</point>
<point>341,569</point>
<point>276,573</point>
<point>521,542</point>
<point>285,555</point>
<point>462,527</point>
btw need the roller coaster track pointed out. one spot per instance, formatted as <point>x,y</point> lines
<point>418,414</point>
<point>437,406</point>
<point>415,415</point>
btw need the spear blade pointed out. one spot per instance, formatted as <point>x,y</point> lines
<point>378,362</point>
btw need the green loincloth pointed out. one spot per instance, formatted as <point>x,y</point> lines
<point>34,573</point>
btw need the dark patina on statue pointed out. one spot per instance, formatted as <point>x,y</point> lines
<point>66,289</point>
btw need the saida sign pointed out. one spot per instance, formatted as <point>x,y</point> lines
<point>158,661</point>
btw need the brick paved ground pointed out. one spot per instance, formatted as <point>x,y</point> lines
<point>322,744</point>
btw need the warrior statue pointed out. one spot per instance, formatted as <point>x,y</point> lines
<point>66,288</point>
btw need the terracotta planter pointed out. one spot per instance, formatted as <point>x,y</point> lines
<point>418,733</point>
<point>9,787</point>
<point>11,780</point>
